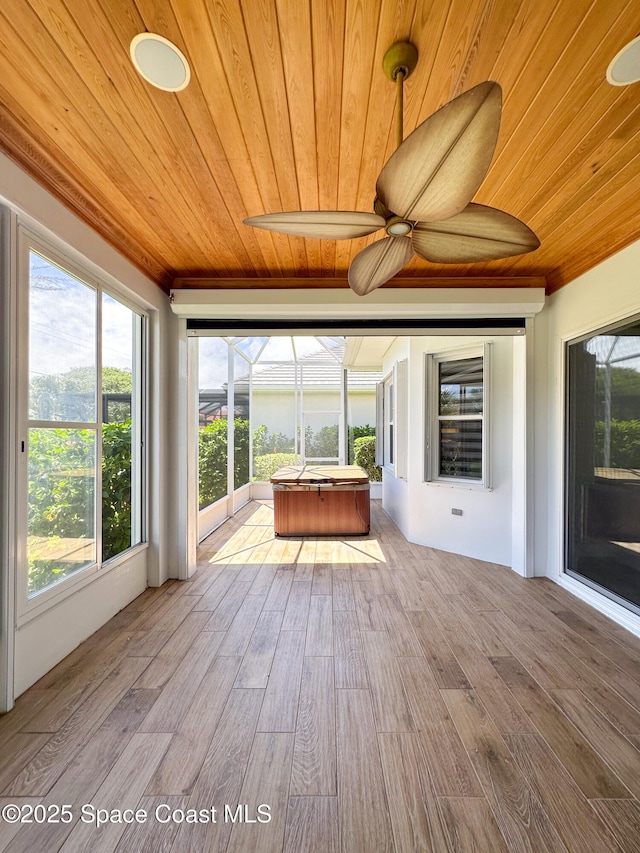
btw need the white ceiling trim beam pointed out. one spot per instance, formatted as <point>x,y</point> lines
<point>329,304</point>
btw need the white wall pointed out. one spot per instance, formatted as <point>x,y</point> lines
<point>422,509</point>
<point>361,407</point>
<point>395,491</point>
<point>607,294</point>
<point>275,407</point>
<point>43,640</point>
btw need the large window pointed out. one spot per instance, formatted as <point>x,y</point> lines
<point>83,425</point>
<point>603,463</point>
<point>456,418</point>
<point>121,426</point>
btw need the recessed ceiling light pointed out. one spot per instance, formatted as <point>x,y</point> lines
<point>160,62</point>
<point>625,66</point>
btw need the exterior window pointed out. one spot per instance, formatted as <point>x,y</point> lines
<point>389,420</point>
<point>121,426</point>
<point>458,404</point>
<point>83,426</point>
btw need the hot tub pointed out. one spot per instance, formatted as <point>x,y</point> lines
<point>321,500</point>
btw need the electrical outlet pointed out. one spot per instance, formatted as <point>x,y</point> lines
<point>456,511</point>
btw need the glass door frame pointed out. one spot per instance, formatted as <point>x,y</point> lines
<point>568,572</point>
<point>341,414</point>
<point>29,607</point>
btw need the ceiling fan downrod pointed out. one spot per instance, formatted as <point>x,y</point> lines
<point>398,63</point>
<point>399,108</point>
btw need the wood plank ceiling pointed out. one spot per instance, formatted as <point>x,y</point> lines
<point>288,108</point>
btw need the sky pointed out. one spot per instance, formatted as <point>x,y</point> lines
<point>63,323</point>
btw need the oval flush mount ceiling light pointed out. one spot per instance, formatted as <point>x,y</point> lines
<point>160,62</point>
<point>624,68</point>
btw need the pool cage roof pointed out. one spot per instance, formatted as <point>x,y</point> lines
<point>288,349</point>
<point>621,347</point>
<point>277,361</point>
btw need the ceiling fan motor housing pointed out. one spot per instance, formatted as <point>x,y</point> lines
<point>396,226</point>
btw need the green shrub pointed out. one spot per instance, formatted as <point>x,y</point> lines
<point>365,457</point>
<point>116,488</point>
<point>61,493</point>
<point>265,466</point>
<point>212,459</point>
<point>241,474</point>
<point>61,475</point>
<point>212,463</point>
<point>265,442</point>
<point>625,444</point>
<point>322,443</point>
<point>357,432</point>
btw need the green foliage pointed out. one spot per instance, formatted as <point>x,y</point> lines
<point>116,381</point>
<point>322,443</point>
<point>212,463</point>
<point>259,435</point>
<point>61,475</point>
<point>365,457</point>
<point>71,395</point>
<point>212,459</point>
<point>241,474</point>
<point>624,393</point>
<point>624,380</point>
<point>265,466</point>
<point>449,404</point>
<point>275,450</point>
<point>266,442</point>
<point>116,489</point>
<point>357,432</point>
<point>270,452</point>
<point>625,444</point>
<point>61,494</point>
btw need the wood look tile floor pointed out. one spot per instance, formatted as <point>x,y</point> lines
<point>366,694</point>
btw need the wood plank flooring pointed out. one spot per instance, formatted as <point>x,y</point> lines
<point>364,695</point>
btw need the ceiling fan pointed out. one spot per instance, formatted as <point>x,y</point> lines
<point>424,191</point>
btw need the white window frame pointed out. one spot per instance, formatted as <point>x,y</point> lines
<point>392,418</point>
<point>433,417</point>
<point>401,418</point>
<point>379,424</point>
<point>388,421</point>
<point>31,607</point>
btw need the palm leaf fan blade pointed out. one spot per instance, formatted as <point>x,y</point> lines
<point>324,224</point>
<point>439,167</point>
<point>378,263</point>
<point>478,233</point>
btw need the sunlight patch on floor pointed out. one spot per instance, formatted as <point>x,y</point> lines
<point>254,543</point>
<point>282,552</point>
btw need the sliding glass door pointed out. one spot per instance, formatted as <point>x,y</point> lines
<point>603,463</point>
<point>83,428</point>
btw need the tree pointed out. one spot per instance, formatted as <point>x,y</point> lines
<point>70,395</point>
